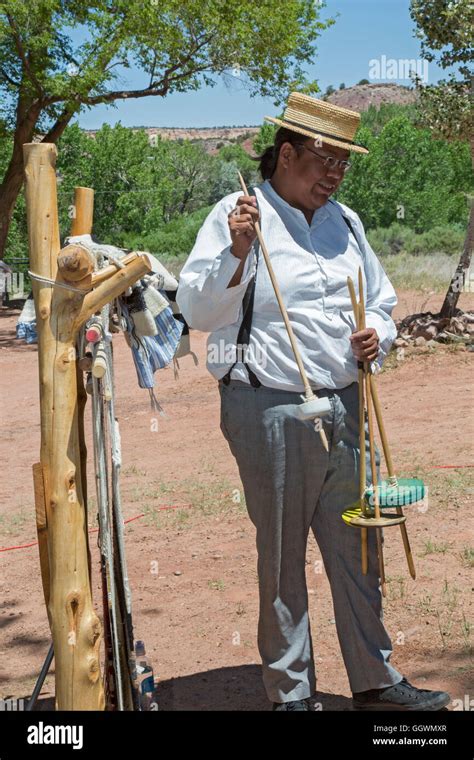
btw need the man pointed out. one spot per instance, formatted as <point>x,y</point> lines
<point>291,483</point>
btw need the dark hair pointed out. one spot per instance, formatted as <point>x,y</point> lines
<point>269,158</point>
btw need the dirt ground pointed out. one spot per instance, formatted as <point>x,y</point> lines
<point>191,552</point>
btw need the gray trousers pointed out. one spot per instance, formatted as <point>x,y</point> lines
<point>292,484</point>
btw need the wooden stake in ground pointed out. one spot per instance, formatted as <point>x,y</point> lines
<point>60,312</point>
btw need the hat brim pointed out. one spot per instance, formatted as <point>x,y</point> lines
<point>328,140</point>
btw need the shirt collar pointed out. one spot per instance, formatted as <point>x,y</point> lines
<point>319,215</point>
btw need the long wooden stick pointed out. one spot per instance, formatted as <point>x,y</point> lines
<point>308,391</point>
<point>383,436</point>
<point>388,459</point>
<point>307,388</point>
<point>391,473</point>
<point>373,464</point>
<point>362,462</point>
<point>373,468</point>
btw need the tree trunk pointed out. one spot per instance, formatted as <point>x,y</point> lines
<point>27,114</point>
<point>448,308</point>
<point>9,189</point>
<point>27,117</point>
<point>456,285</point>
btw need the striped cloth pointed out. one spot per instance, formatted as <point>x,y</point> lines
<point>151,353</point>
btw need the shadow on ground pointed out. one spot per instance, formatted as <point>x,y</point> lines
<point>223,689</point>
<point>239,688</point>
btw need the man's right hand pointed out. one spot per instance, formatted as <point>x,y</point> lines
<point>242,225</point>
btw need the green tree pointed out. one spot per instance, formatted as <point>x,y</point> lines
<point>185,172</point>
<point>226,179</point>
<point>375,118</point>
<point>74,168</point>
<point>444,28</point>
<point>46,77</point>
<point>357,189</point>
<point>265,137</point>
<point>233,159</point>
<point>408,176</point>
<point>120,174</point>
<point>139,186</point>
<point>174,239</point>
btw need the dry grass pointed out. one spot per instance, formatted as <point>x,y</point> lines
<point>426,273</point>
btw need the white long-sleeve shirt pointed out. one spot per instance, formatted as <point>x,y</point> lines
<point>311,264</point>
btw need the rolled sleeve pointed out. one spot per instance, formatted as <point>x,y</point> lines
<point>203,297</point>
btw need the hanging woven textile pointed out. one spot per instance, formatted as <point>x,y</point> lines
<point>145,313</point>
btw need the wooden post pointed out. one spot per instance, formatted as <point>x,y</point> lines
<point>76,629</point>
<point>83,211</point>
<point>79,266</point>
<point>42,531</point>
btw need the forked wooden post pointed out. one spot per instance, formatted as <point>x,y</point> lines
<point>60,313</point>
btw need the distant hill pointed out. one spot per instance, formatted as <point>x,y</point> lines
<point>212,138</point>
<point>361,96</point>
<point>357,98</point>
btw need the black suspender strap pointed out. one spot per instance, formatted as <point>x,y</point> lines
<point>351,228</point>
<point>349,224</point>
<point>243,337</point>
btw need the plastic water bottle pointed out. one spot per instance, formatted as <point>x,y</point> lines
<point>146,683</point>
<point>31,335</point>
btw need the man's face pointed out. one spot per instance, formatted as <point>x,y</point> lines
<point>309,181</point>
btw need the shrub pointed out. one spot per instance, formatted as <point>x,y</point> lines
<point>397,239</point>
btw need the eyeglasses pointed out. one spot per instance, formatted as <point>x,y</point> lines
<point>330,161</point>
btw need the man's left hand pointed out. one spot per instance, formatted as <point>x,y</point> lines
<point>365,344</point>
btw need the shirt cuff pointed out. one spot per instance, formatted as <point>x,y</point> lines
<point>228,266</point>
<point>385,333</point>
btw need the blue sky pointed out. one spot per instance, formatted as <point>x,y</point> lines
<point>364,30</point>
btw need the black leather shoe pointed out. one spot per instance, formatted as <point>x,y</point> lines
<point>297,705</point>
<point>401,696</point>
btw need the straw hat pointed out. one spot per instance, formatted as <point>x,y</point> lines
<point>317,118</point>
